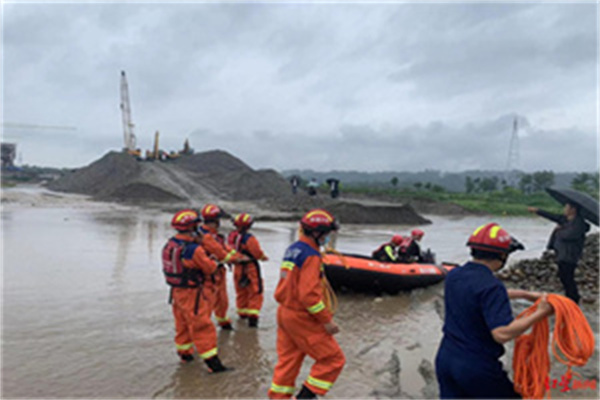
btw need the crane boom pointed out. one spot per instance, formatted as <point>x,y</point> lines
<point>128,135</point>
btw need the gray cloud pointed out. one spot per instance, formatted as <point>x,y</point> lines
<point>347,86</point>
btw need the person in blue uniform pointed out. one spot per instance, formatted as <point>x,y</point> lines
<point>478,320</point>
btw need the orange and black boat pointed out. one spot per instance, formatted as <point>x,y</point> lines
<point>364,274</point>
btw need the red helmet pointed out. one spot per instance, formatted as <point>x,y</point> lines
<point>493,238</point>
<point>211,212</point>
<point>318,220</point>
<point>243,220</point>
<point>417,233</point>
<point>185,220</point>
<point>397,240</point>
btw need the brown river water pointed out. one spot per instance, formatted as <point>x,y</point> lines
<point>85,310</point>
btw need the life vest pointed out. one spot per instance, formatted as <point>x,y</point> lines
<point>381,254</point>
<point>176,274</point>
<point>237,240</point>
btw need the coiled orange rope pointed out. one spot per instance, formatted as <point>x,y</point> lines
<point>572,344</point>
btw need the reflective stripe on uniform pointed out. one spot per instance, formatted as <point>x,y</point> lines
<point>390,252</point>
<point>282,389</point>
<point>208,354</point>
<point>320,306</point>
<point>242,311</point>
<point>252,311</point>
<point>229,255</point>
<point>224,319</point>
<point>185,346</point>
<point>288,265</point>
<point>319,383</point>
<point>494,231</point>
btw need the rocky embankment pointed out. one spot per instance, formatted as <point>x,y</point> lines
<point>540,274</point>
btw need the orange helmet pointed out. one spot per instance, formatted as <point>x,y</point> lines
<point>185,220</point>
<point>417,233</point>
<point>243,220</point>
<point>397,240</point>
<point>493,238</point>
<point>318,220</point>
<point>211,212</point>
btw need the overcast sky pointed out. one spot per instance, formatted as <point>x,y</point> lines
<point>322,86</point>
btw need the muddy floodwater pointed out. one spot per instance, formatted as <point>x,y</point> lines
<point>85,310</point>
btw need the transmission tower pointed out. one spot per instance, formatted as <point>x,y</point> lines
<point>512,164</point>
<point>128,134</point>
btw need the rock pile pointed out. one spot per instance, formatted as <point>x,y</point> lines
<point>540,274</point>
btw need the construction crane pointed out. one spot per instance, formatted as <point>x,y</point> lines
<point>128,135</point>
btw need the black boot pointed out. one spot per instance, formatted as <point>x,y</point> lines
<point>253,322</point>
<point>186,358</point>
<point>227,327</point>
<point>215,366</point>
<point>305,393</point>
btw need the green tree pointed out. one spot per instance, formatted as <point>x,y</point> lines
<point>427,186</point>
<point>489,184</point>
<point>418,185</point>
<point>469,185</point>
<point>542,180</point>
<point>394,181</point>
<point>526,183</point>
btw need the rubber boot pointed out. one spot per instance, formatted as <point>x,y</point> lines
<point>186,358</point>
<point>227,327</point>
<point>305,393</point>
<point>215,366</point>
<point>253,322</point>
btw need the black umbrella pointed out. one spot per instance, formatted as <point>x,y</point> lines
<point>588,206</point>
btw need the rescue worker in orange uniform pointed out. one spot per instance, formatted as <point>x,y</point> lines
<point>214,244</point>
<point>187,268</point>
<point>305,324</point>
<point>410,250</point>
<point>388,252</point>
<point>246,276</point>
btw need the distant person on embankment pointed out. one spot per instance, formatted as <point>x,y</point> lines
<point>478,320</point>
<point>247,276</point>
<point>294,181</point>
<point>567,240</point>
<point>214,244</point>
<point>188,271</point>
<point>312,187</point>
<point>388,252</point>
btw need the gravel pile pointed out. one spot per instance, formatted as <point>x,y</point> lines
<point>216,176</point>
<point>540,274</point>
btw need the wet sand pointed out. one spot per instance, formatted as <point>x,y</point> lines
<point>85,310</point>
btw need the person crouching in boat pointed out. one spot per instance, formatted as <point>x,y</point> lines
<point>410,250</point>
<point>478,320</point>
<point>305,323</point>
<point>388,252</point>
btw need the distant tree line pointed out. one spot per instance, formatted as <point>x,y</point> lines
<point>527,184</point>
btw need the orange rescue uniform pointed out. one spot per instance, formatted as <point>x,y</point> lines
<point>215,246</point>
<point>249,290</point>
<point>301,317</point>
<point>192,306</point>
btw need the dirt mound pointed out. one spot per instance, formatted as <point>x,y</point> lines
<point>541,273</point>
<point>216,176</point>
<point>209,176</point>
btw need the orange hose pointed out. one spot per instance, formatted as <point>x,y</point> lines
<point>572,344</point>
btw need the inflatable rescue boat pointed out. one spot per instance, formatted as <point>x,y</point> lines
<point>363,274</point>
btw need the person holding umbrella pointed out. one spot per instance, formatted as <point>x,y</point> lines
<point>568,238</point>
